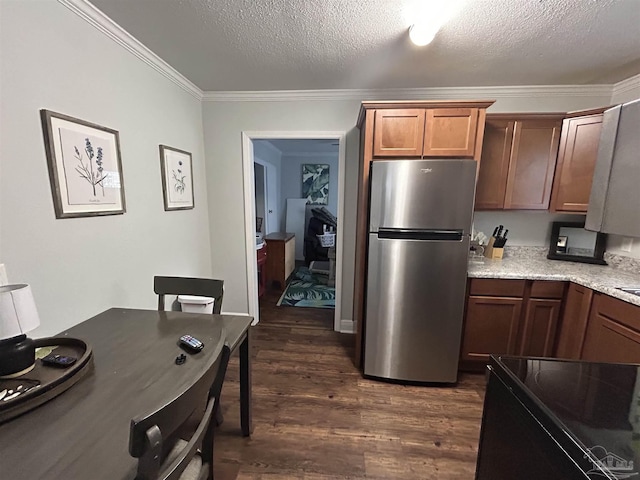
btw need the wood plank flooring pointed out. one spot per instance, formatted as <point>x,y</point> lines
<point>315,417</point>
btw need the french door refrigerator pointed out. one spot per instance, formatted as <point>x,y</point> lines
<point>419,227</point>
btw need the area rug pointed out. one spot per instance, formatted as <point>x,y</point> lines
<point>307,289</point>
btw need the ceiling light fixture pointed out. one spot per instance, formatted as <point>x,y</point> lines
<point>422,35</point>
<point>428,16</point>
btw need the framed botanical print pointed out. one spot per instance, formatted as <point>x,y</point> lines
<point>85,169</point>
<point>177,178</point>
<point>315,183</point>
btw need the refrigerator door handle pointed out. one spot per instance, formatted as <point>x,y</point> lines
<point>420,234</point>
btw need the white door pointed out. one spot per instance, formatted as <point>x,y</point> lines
<point>260,194</point>
<point>271,197</point>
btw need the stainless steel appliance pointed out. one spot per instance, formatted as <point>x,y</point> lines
<point>614,204</point>
<point>631,290</point>
<point>419,227</point>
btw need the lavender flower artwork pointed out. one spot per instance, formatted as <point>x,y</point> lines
<point>86,171</point>
<point>85,168</point>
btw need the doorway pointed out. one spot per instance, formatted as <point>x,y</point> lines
<point>273,165</point>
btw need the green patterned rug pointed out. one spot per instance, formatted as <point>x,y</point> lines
<point>307,289</point>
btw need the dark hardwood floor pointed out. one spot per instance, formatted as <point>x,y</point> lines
<point>315,417</point>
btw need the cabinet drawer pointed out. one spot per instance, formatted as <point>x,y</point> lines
<point>497,287</point>
<point>547,289</point>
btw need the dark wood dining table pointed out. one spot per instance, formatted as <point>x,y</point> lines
<point>84,432</point>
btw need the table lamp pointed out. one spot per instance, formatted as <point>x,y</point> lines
<point>18,315</point>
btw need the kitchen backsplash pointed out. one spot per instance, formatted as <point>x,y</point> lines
<point>627,264</point>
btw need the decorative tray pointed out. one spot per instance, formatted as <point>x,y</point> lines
<point>28,391</point>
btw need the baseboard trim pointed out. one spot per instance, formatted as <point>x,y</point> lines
<point>347,326</point>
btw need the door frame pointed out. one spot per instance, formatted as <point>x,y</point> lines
<point>249,210</point>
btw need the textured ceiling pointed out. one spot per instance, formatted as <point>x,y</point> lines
<point>318,44</point>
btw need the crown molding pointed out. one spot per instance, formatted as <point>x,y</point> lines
<point>430,93</point>
<point>627,85</point>
<point>115,32</point>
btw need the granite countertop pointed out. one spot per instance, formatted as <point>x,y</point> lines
<point>532,264</point>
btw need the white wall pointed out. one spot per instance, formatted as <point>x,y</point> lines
<point>225,120</point>
<point>78,267</point>
<point>526,228</point>
<point>223,124</point>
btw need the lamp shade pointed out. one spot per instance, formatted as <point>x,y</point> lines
<point>18,313</point>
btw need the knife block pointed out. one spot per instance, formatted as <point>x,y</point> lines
<point>492,252</point>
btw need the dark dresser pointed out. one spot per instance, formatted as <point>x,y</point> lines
<point>555,419</point>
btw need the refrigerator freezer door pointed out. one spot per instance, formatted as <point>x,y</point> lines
<point>414,309</point>
<point>421,194</point>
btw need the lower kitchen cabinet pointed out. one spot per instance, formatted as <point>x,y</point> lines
<point>491,326</point>
<point>540,327</point>
<point>503,317</point>
<point>537,319</point>
<point>574,322</point>
<point>613,332</point>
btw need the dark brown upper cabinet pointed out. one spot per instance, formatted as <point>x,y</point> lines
<point>518,161</point>
<point>399,132</point>
<point>577,155</point>
<point>427,132</point>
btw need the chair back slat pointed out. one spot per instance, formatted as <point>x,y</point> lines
<point>148,432</point>
<point>204,287</point>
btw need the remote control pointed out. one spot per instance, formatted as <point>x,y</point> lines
<point>191,343</point>
<point>55,360</point>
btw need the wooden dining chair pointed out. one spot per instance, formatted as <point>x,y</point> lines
<point>204,287</point>
<point>151,435</point>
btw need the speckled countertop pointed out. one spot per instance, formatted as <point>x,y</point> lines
<point>532,264</point>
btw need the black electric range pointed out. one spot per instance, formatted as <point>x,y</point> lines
<point>554,419</point>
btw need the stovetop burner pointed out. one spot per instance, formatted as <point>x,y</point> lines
<point>631,290</point>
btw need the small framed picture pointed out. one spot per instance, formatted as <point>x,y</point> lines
<point>177,178</point>
<point>84,164</point>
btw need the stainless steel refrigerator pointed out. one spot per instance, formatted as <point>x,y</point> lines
<point>419,228</point>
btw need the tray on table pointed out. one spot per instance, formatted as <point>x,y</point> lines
<point>44,382</point>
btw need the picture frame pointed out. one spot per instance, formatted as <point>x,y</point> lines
<point>562,241</point>
<point>177,178</point>
<point>315,183</point>
<point>85,166</point>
